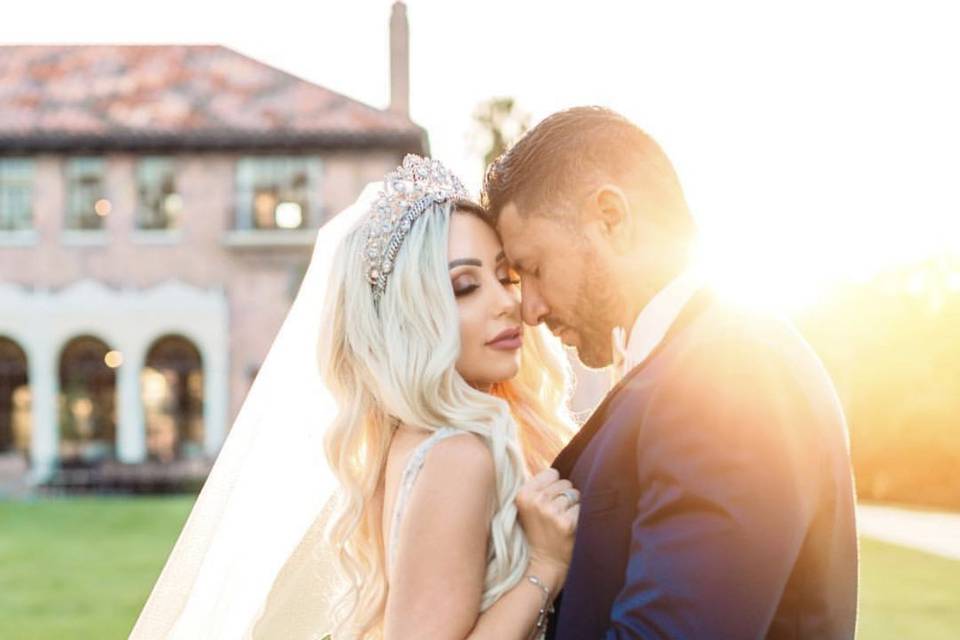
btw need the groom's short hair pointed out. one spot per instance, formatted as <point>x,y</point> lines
<point>570,149</point>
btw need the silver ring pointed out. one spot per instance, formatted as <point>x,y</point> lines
<point>570,496</point>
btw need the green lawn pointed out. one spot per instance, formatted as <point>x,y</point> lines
<point>907,594</point>
<point>82,568</point>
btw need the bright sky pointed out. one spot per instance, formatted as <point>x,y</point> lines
<point>815,140</point>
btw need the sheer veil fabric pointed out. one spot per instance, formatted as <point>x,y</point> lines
<point>250,560</point>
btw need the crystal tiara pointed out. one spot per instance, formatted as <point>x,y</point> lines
<point>407,192</point>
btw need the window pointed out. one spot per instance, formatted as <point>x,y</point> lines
<point>275,192</point>
<point>16,194</point>
<point>172,393</point>
<point>87,402</point>
<point>87,203</point>
<point>15,417</point>
<point>159,204</point>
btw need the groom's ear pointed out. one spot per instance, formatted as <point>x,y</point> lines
<point>609,211</point>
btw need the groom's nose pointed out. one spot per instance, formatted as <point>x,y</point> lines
<point>533,307</point>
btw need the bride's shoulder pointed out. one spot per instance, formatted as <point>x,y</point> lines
<point>444,530</point>
<point>458,466</point>
<point>460,453</point>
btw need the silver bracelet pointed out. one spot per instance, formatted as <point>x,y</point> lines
<point>545,608</point>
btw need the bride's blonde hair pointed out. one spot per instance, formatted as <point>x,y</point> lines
<point>396,360</point>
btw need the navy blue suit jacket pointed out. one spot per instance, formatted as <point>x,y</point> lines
<point>717,495</point>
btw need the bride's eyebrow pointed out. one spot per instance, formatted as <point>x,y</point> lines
<point>473,262</point>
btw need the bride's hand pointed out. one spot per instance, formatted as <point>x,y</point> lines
<point>548,508</point>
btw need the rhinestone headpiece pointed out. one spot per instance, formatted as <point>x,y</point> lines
<point>407,192</point>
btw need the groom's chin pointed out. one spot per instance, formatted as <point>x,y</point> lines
<point>592,358</point>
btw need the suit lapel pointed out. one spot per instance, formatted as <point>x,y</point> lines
<point>567,458</point>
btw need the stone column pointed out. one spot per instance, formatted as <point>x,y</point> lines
<point>131,427</point>
<point>44,388</point>
<point>216,394</point>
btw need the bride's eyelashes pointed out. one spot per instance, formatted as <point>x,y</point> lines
<point>465,283</point>
<point>512,279</point>
<point>462,290</point>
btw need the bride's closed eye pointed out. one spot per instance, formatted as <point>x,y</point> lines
<point>465,285</point>
<point>461,288</point>
<point>511,279</point>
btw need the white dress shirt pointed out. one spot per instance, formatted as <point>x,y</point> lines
<point>653,322</point>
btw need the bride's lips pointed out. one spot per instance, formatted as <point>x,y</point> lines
<point>507,340</point>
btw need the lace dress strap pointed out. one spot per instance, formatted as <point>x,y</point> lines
<point>407,479</point>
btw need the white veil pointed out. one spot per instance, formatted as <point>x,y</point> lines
<point>248,562</point>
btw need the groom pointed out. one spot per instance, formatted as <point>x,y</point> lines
<point>717,498</point>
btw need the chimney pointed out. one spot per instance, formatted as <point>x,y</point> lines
<point>399,59</point>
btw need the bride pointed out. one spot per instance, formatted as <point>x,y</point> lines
<point>401,488</point>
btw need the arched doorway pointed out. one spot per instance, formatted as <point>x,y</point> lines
<point>15,417</point>
<point>172,388</point>
<point>88,391</point>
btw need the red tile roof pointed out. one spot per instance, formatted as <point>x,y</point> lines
<point>177,96</point>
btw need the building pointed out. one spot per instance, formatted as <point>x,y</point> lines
<point>158,206</point>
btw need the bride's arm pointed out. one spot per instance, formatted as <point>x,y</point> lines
<point>441,557</point>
